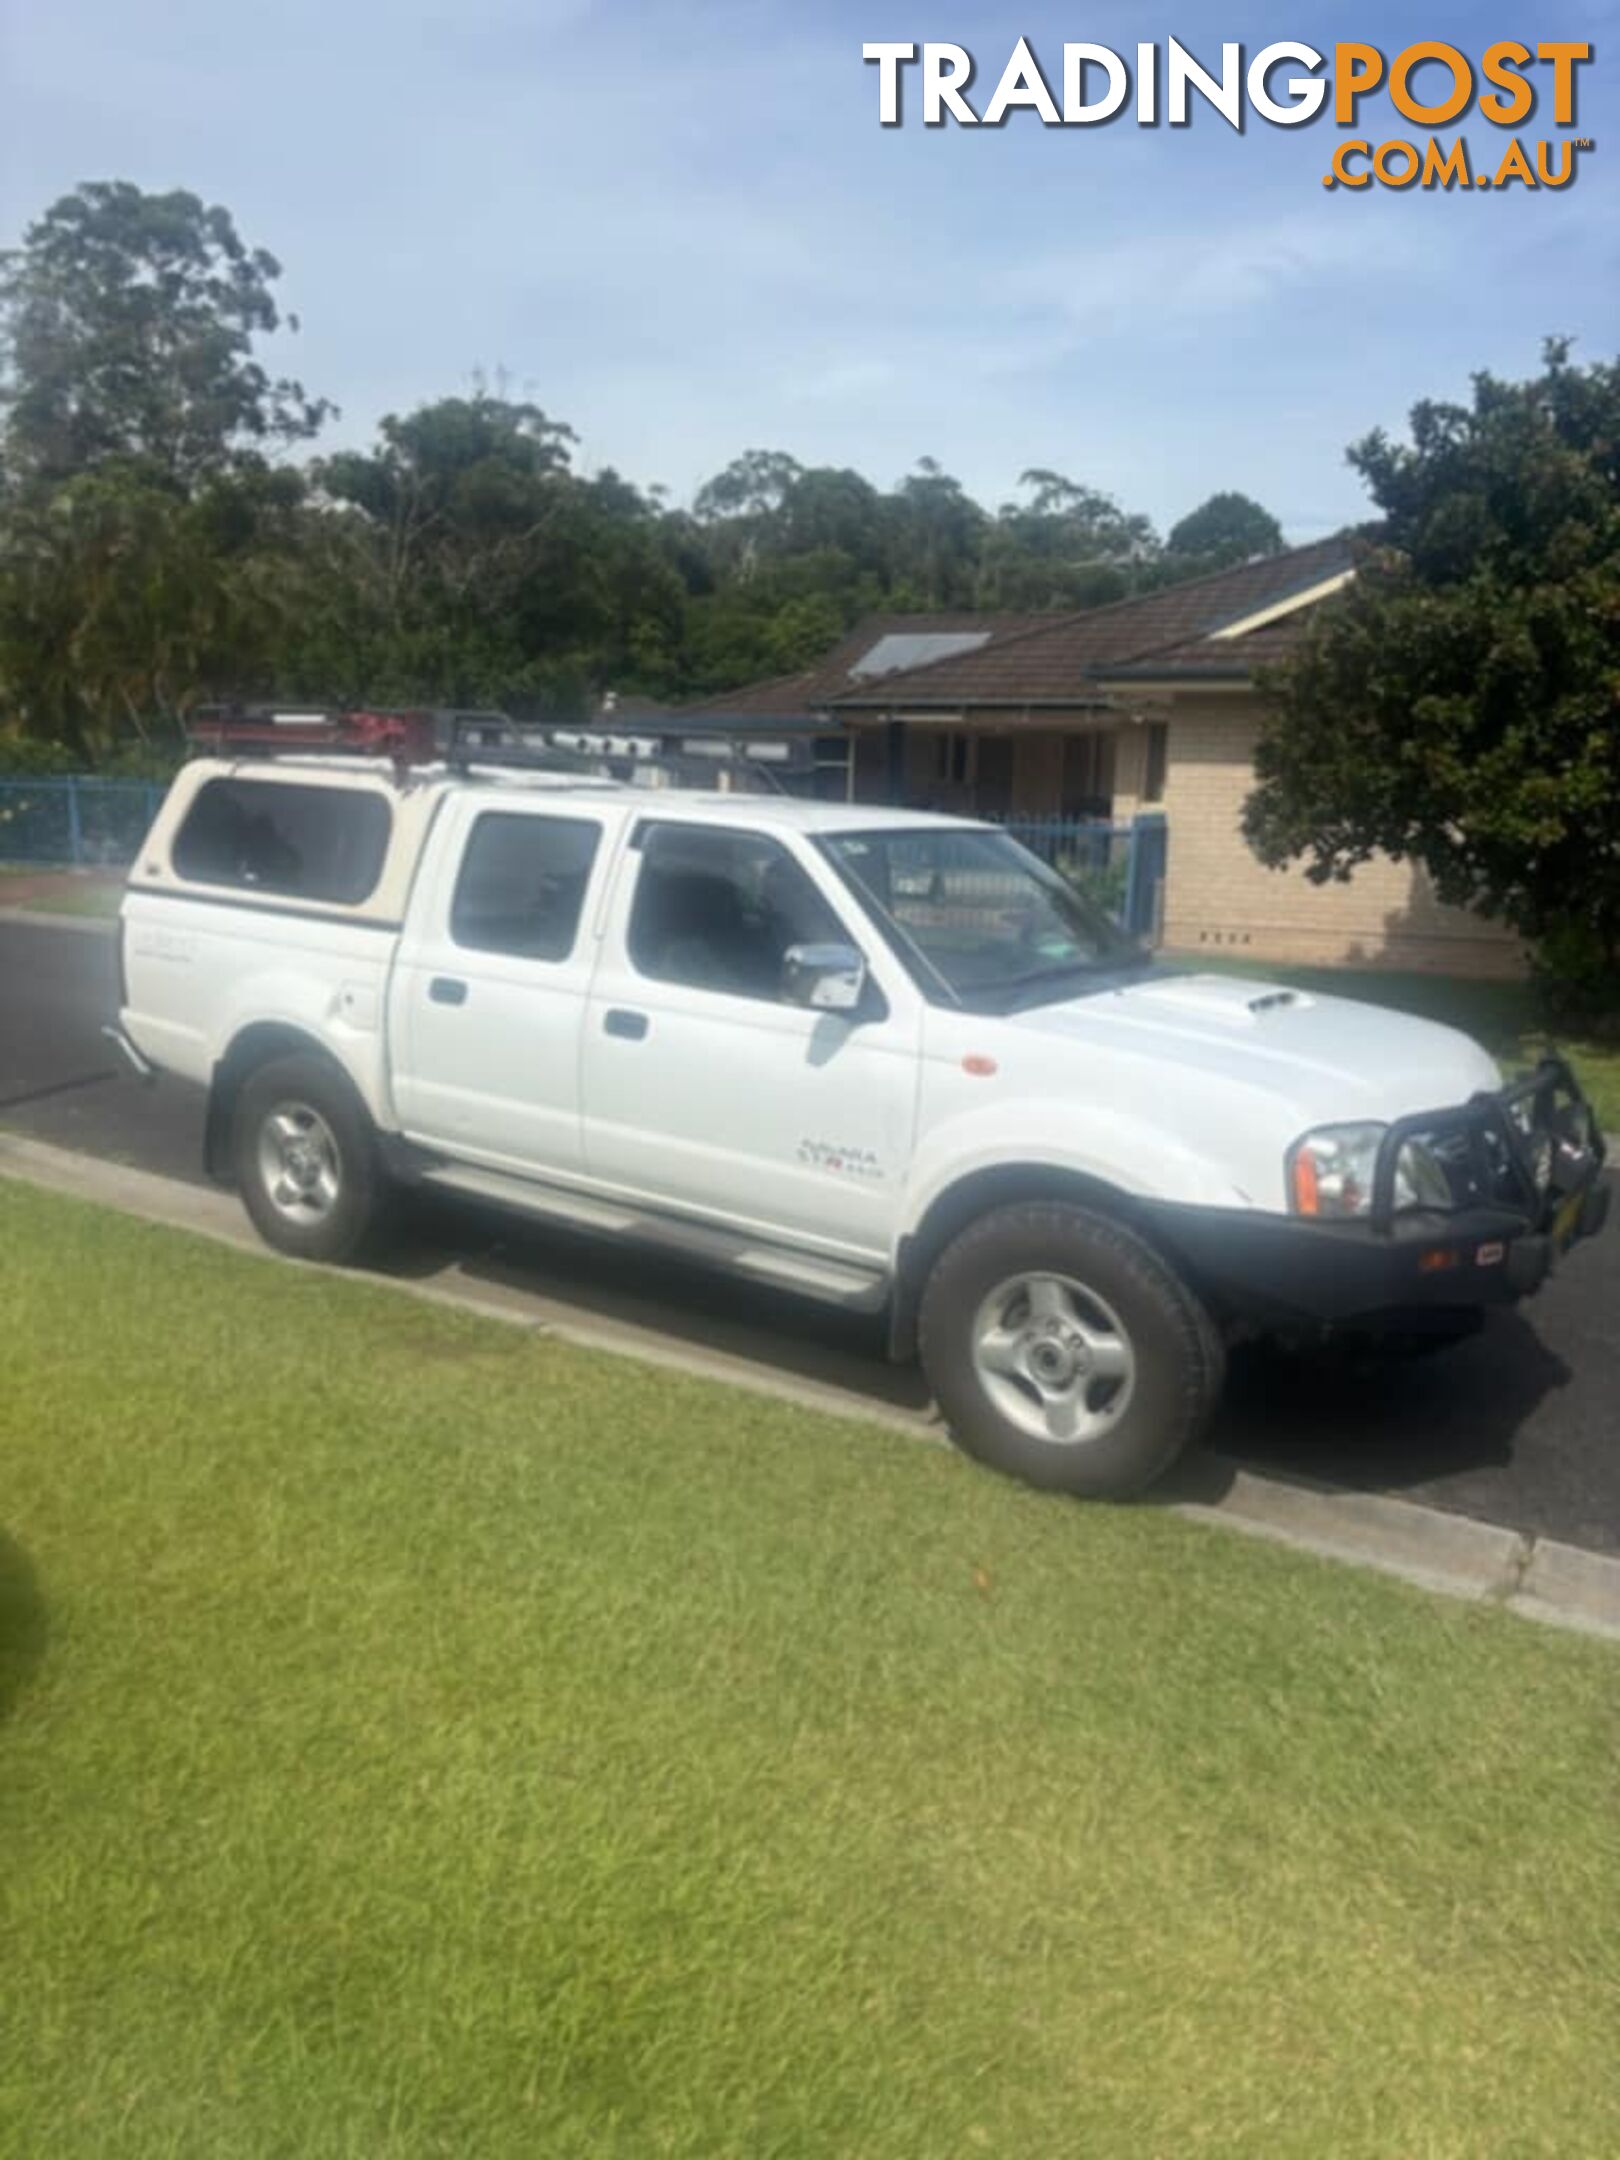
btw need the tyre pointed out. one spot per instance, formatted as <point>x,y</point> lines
<point>306,1159</point>
<point>1063,1350</point>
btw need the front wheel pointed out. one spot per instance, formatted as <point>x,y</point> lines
<point>306,1160</point>
<point>1064,1351</point>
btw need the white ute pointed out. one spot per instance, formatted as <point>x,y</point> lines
<point>881,1058</point>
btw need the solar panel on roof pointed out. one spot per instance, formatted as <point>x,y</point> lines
<point>915,648</point>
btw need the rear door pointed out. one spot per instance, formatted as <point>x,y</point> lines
<point>705,1089</point>
<point>489,989</point>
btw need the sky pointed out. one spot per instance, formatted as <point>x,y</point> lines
<point>678,226</point>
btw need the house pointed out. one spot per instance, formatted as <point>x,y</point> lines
<point>802,709</point>
<point>1148,705</point>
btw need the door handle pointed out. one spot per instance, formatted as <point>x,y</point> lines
<point>447,990</point>
<point>632,1026</point>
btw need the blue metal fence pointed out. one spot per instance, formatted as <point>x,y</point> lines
<point>76,821</point>
<point>1121,866</point>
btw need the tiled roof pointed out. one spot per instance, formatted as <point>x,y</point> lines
<point>1214,659</point>
<point>1060,660</point>
<point>1054,659</point>
<point>813,689</point>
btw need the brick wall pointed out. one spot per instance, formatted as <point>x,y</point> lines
<point>1218,898</point>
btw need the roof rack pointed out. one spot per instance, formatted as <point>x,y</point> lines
<point>460,739</point>
<point>408,738</point>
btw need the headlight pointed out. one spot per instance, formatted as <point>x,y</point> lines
<point>1330,1173</point>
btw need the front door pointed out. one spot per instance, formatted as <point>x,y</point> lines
<point>704,1088</point>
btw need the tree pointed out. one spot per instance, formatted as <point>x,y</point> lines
<point>122,603</point>
<point>1461,705</point>
<point>127,328</point>
<point>937,532</point>
<point>752,486</point>
<point>1229,528</point>
<point>1080,524</point>
<point>835,509</point>
<point>449,487</point>
<point>153,552</point>
<point>476,567</point>
<point>740,507</point>
<point>1069,546</point>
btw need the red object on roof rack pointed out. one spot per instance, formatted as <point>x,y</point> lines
<point>407,737</point>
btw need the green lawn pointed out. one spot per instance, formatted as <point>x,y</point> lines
<point>1501,1015</point>
<point>417,1737</point>
<point>92,895</point>
<point>102,901</point>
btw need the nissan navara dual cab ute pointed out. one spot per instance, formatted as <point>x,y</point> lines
<point>885,1059</point>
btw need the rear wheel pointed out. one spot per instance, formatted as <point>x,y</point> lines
<point>1064,1351</point>
<point>306,1159</point>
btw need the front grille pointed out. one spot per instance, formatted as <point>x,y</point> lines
<point>1519,1149</point>
<point>1478,1169</point>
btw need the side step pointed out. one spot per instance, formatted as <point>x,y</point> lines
<point>830,1282</point>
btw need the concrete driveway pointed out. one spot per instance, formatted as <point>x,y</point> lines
<point>1519,1428</point>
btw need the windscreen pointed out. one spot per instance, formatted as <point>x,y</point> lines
<point>976,917</point>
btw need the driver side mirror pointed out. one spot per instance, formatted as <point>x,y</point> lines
<point>826,978</point>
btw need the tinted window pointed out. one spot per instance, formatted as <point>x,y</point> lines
<point>273,836</point>
<point>522,884</point>
<point>718,910</point>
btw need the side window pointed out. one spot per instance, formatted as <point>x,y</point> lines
<point>276,836</point>
<point>522,884</point>
<point>718,910</point>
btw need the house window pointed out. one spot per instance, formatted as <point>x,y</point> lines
<point>1087,788</point>
<point>955,764</point>
<point>1158,760</point>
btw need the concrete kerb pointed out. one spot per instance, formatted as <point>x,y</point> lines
<point>1570,1587</point>
<point>1537,1578</point>
<point>1449,1553</point>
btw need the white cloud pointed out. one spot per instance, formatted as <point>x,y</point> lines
<point>1190,275</point>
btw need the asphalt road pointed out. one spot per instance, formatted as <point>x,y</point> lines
<point>1520,1427</point>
